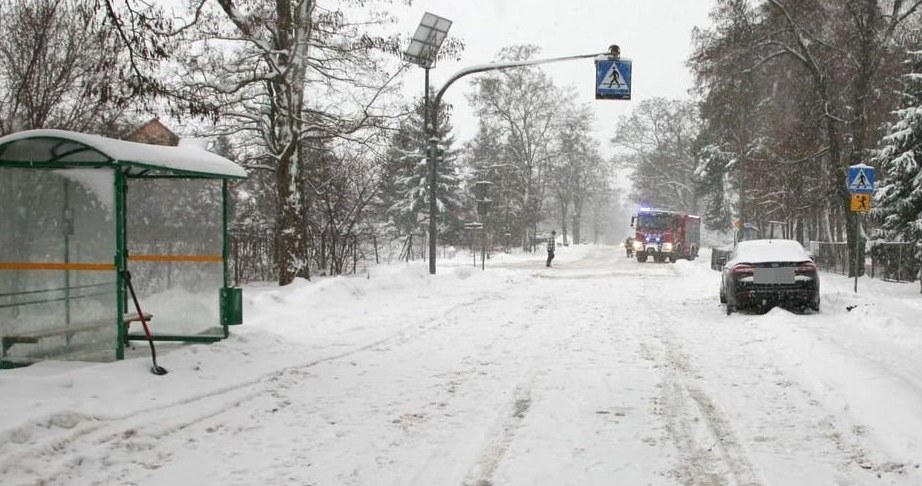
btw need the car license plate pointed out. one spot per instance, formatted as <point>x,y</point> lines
<point>773,275</point>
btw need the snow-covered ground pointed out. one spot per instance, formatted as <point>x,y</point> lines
<point>598,371</point>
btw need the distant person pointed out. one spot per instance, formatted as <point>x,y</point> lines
<point>629,246</point>
<point>550,247</point>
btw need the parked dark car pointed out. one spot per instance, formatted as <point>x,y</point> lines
<point>761,274</point>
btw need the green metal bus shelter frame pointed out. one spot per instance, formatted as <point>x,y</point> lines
<point>59,149</point>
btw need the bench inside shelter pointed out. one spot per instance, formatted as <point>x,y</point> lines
<point>55,312</point>
<point>32,337</point>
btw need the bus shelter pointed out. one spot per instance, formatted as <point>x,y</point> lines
<point>78,214</point>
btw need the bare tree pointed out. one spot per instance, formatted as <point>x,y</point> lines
<point>520,106</point>
<point>284,74</point>
<point>57,62</point>
<point>656,140</point>
<point>343,182</point>
<point>578,172</point>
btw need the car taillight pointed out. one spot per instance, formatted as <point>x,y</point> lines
<point>805,268</point>
<point>741,270</point>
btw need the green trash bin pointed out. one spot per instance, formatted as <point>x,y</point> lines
<point>231,306</point>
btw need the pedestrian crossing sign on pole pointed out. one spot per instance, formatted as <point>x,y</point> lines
<point>612,79</point>
<point>860,179</point>
<point>861,203</point>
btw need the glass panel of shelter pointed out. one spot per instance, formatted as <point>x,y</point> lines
<point>57,272</point>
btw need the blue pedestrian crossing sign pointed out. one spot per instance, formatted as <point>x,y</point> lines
<point>612,79</point>
<point>860,179</point>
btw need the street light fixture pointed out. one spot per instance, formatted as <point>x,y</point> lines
<point>423,51</point>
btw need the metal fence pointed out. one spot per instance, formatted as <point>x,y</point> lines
<point>831,256</point>
<point>253,254</point>
<point>894,261</point>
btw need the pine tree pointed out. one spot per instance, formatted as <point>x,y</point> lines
<point>898,200</point>
<point>405,194</point>
<point>709,180</point>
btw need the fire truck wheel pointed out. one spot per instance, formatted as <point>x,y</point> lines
<point>641,257</point>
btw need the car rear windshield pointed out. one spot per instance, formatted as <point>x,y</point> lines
<point>757,251</point>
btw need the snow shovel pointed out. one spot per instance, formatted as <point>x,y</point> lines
<point>157,370</point>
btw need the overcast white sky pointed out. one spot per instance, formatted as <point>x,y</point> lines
<point>654,34</point>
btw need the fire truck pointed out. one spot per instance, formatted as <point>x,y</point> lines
<point>665,235</point>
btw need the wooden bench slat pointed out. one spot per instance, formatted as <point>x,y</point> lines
<point>134,317</point>
<point>32,337</point>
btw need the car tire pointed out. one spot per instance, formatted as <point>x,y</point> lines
<point>729,309</point>
<point>723,298</point>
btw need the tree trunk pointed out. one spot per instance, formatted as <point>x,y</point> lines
<point>287,101</point>
<point>578,205</point>
<point>868,64</point>
<point>292,242</point>
<point>563,221</point>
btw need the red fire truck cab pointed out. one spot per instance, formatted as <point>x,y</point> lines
<point>665,235</point>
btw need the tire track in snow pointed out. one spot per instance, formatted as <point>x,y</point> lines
<point>792,415</point>
<point>710,453</point>
<point>826,415</point>
<point>500,438</point>
<point>503,432</point>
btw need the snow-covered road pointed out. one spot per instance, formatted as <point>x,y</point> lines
<point>598,371</point>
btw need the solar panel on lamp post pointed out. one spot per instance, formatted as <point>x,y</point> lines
<point>423,51</point>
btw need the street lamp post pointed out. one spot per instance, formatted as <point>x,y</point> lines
<point>484,204</point>
<point>423,50</point>
<point>613,53</point>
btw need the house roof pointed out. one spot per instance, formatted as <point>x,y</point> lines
<point>60,148</point>
<point>154,132</point>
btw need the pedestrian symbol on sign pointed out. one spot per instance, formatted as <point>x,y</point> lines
<point>861,182</point>
<point>860,179</point>
<point>613,78</point>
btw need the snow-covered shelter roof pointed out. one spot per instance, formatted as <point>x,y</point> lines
<point>35,148</point>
